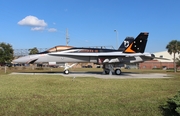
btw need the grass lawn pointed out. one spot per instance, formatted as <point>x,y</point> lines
<point>51,95</point>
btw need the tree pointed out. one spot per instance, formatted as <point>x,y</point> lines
<point>178,61</point>
<point>173,47</point>
<point>33,51</point>
<point>6,53</point>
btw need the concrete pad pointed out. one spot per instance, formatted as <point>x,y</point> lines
<point>100,75</point>
<point>122,76</point>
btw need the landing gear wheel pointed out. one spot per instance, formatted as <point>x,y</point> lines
<point>66,72</point>
<point>118,71</point>
<point>106,71</point>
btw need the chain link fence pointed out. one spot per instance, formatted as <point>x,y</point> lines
<point>24,52</point>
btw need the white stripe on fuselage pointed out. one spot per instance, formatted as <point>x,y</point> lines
<point>66,53</point>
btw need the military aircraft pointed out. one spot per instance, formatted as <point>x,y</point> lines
<point>29,59</point>
<point>131,51</point>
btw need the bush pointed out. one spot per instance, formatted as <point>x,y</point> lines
<point>170,69</point>
<point>172,106</point>
<point>39,68</point>
<point>156,68</point>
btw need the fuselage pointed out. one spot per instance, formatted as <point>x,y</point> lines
<point>68,54</point>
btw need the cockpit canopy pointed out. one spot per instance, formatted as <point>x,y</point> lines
<point>57,49</point>
<point>77,49</point>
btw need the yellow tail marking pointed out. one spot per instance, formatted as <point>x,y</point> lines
<point>129,50</point>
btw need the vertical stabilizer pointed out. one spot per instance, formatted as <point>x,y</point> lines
<point>126,43</point>
<point>139,44</point>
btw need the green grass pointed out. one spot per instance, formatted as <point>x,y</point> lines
<point>57,95</point>
<point>52,95</point>
<point>29,69</point>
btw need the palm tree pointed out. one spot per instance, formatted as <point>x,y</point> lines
<point>173,47</point>
<point>178,61</point>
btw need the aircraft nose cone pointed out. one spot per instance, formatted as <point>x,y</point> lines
<point>14,61</point>
<point>21,60</point>
<point>26,59</point>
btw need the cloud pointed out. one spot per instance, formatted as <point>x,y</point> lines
<point>52,30</point>
<point>35,24</point>
<point>37,28</point>
<point>32,21</point>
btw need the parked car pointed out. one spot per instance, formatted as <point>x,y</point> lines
<point>127,67</point>
<point>88,66</point>
<point>9,64</point>
<point>83,66</point>
<point>98,66</point>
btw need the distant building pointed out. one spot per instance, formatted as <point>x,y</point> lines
<point>159,63</point>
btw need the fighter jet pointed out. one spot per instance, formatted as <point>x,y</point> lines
<point>36,58</point>
<point>130,52</point>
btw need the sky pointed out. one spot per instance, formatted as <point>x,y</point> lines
<point>27,24</point>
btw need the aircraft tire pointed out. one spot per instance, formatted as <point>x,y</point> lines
<point>106,71</point>
<point>66,72</point>
<point>118,71</point>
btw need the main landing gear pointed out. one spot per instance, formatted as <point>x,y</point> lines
<point>109,69</point>
<point>66,72</point>
<point>67,67</point>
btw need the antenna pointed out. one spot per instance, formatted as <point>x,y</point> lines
<point>67,37</point>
